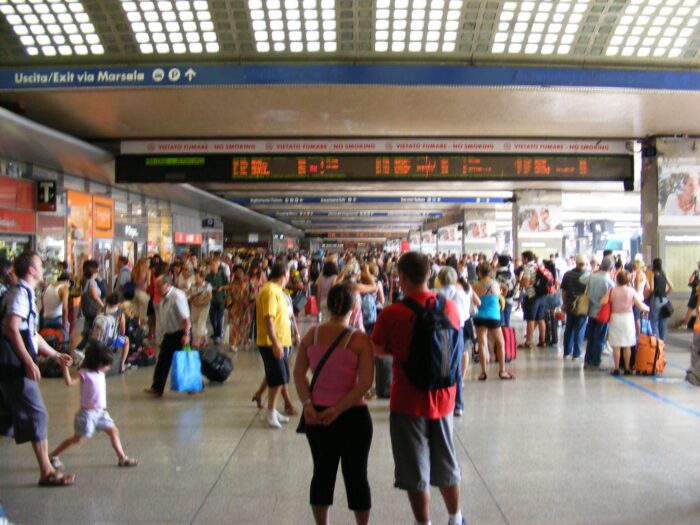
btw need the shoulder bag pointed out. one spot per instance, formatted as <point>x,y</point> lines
<point>581,303</point>
<point>301,427</point>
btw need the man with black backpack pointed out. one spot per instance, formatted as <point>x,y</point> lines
<point>533,281</point>
<point>422,334</point>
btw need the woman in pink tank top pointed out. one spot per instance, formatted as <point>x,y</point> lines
<point>338,424</point>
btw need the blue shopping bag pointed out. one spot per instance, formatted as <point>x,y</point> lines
<point>186,373</point>
<point>645,326</point>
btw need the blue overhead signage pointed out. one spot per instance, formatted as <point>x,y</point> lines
<point>177,75</point>
<point>351,214</point>
<point>262,201</point>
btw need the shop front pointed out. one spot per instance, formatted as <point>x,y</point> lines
<point>187,234</point>
<point>17,217</point>
<point>130,240</point>
<point>78,231</point>
<point>103,235</point>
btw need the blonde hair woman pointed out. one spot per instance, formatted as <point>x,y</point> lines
<point>140,276</point>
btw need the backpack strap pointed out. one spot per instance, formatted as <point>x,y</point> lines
<point>413,305</point>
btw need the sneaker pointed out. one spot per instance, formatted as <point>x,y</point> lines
<point>56,463</point>
<point>271,419</point>
<point>281,418</point>
<point>458,412</point>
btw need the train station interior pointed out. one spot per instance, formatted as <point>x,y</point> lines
<point>350,129</point>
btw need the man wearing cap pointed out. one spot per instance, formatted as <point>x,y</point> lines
<point>572,289</point>
<point>598,283</point>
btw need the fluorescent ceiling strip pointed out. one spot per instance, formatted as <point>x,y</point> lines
<point>417,25</point>
<point>543,28</point>
<point>656,28</point>
<point>52,27</point>
<point>172,26</point>
<point>293,25</point>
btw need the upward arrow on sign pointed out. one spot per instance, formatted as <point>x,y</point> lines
<point>190,74</point>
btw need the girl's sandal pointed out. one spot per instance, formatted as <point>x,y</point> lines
<point>257,399</point>
<point>505,376</point>
<point>290,410</point>
<point>56,463</point>
<point>57,479</point>
<point>128,462</point>
<point>483,377</point>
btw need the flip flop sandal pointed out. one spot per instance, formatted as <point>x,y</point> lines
<point>483,377</point>
<point>505,376</point>
<point>128,462</point>
<point>57,479</point>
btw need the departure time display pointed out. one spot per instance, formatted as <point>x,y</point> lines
<point>290,168</point>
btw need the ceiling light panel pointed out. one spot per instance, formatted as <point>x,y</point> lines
<point>417,25</point>
<point>171,26</point>
<point>542,27</point>
<point>294,25</point>
<point>655,29</point>
<point>52,27</point>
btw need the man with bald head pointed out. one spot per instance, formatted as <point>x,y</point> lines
<point>175,325</point>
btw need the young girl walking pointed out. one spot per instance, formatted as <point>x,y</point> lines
<point>93,413</point>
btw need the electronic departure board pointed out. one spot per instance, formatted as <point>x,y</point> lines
<point>320,168</point>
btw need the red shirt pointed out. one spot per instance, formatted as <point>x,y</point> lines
<point>393,331</point>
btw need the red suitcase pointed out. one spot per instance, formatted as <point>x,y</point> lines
<point>311,308</point>
<point>510,344</point>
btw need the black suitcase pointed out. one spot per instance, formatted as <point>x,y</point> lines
<point>551,328</point>
<point>216,366</point>
<point>383,375</point>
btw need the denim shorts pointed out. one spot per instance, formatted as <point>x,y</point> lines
<point>276,370</point>
<point>533,308</point>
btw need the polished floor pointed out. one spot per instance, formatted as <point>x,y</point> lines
<point>556,446</point>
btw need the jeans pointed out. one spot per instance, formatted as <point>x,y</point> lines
<point>573,334</point>
<point>505,314</point>
<point>658,323</point>
<point>216,316</point>
<point>598,334</point>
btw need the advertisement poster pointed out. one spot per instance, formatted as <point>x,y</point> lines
<point>479,230</point>
<point>679,192</point>
<point>537,219</point>
<point>79,223</point>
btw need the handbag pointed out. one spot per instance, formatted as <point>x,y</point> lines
<point>605,311</point>
<point>581,303</point>
<point>186,373</point>
<point>666,309</point>
<point>301,427</point>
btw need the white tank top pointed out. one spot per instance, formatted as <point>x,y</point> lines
<point>53,306</point>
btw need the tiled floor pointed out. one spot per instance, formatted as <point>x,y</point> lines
<point>555,446</point>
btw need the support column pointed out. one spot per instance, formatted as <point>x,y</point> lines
<point>650,203</point>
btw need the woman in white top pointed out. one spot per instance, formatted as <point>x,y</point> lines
<point>55,303</point>
<point>185,279</point>
<point>684,202</point>
<point>200,298</point>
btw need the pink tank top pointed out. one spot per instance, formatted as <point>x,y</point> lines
<point>339,374</point>
<point>622,299</point>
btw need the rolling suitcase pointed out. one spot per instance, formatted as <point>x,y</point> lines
<point>510,344</point>
<point>651,357</point>
<point>216,366</point>
<point>383,375</point>
<point>551,328</point>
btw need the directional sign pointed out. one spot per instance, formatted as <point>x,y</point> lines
<point>367,200</point>
<point>341,74</point>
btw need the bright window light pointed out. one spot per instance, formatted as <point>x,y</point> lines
<point>660,28</point>
<point>65,20</point>
<point>440,18</point>
<point>171,26</point>
<point>554,23</point>
<point>295,25</point>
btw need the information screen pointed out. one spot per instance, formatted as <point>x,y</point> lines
<point>293,168</point>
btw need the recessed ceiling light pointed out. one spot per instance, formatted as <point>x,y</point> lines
<point>171,27</point>
<point>39,17</point>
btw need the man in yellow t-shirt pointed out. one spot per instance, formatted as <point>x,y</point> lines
<point>274,334</point>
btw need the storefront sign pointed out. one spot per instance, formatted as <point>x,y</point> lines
<point>16,193</point>
<point>17,221</point>
<point>103,217</point>
<point>188,238</point>
<point>128,232</point>
<point>46,195</point>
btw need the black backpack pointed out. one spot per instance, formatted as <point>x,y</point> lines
<point>436,347</point>
<point>315,270</point>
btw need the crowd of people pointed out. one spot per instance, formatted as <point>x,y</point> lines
<point>361,307</point>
